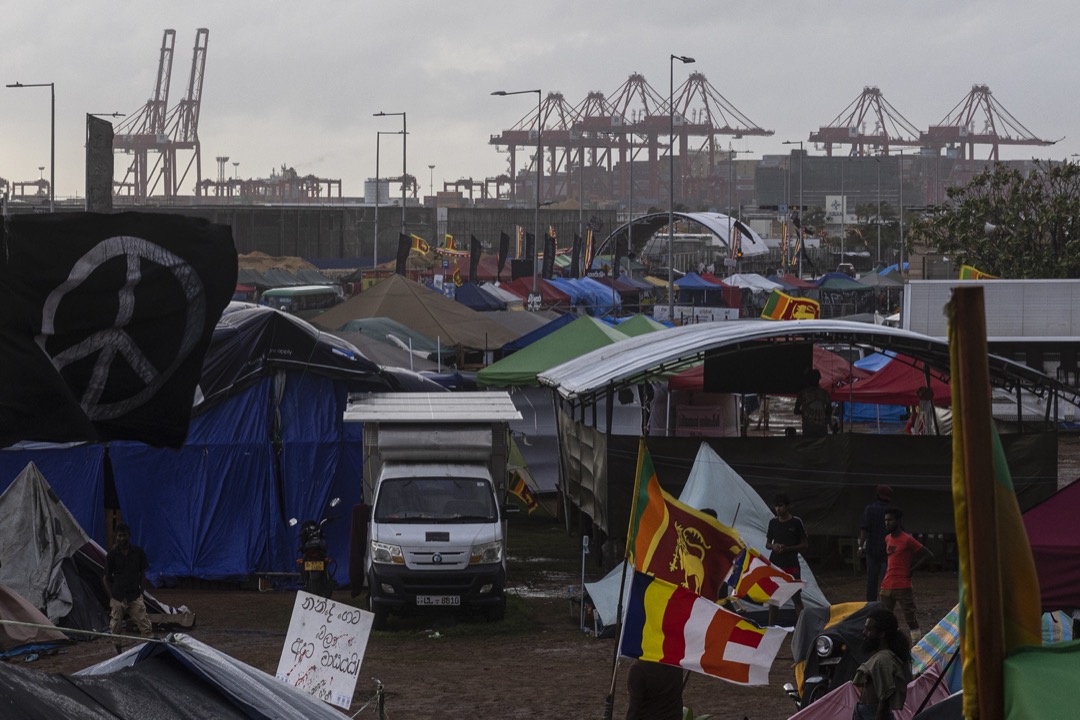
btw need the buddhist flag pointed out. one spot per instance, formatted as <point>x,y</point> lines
<point>781,306</point>
<point>999,589</point>
<point>756,579</point>
<point>674,541</point>
<point>419,245</point>
<point>521,490</point>
<point>967,272</point>
<point>669,624</point>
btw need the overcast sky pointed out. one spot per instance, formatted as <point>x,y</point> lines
<point>295,84</point>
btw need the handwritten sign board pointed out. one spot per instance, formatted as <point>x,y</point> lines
<point>324,648</point>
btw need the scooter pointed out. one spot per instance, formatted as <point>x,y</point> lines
<point>316,575</point>
<point>836,654</point>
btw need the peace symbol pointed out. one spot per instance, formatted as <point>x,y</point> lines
<point>114,344</point>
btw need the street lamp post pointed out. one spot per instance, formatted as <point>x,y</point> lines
<point>879,211</point>
<point>539,175</point>
<point>801,219</point>
<point>431,180</point>
<point>671,181</point>
<point>404,156</point>
<point>843,210</point>
<point>375,238</point>
<point>52,136</point>
<point>900,173</point>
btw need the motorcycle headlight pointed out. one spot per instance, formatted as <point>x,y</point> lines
<point>823,646</point>
<point>487,553</point>
<point>386,553</point>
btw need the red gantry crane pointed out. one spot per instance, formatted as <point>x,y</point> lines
<point>980,119</point>
<point>890,128</point>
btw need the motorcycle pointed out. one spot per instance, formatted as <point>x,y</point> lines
<point>315,564</point>
<point>834,656</point>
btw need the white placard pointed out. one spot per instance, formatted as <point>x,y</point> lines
<point>324,648</point>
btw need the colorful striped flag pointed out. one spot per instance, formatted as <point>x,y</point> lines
<point>521,490</point>
<point>756,579</point>
<point>676,542</point>
<point>1000,606</point>
<point>669,624</point>
<point>781,306</point>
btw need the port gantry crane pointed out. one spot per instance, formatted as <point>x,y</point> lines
<point>155,129</point>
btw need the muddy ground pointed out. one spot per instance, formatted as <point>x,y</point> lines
<point>537,663</point>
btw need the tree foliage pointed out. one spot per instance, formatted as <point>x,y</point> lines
<point>1011,224</point>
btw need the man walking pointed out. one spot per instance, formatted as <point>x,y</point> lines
<point>905,555</point>
<point>125,578</point>
<point>786,538</point>
<point>882,680</point>
<point>872,540</point>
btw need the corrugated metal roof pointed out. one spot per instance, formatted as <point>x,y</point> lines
<point>462,407</point>
<point>672,350</point>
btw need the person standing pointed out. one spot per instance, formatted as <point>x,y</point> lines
<point>655,691</point>
<point>125,578</point>
<point>872,540</point>
<point>786,538</point>
<point>905,555</point>
<point>814,405</point>
<point>882,680</point>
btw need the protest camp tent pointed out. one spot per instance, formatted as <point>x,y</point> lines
<point>1055,544</point>
<point>579,337</point>
<point>422,309</point>
<point>712,484</point>
<point>540,332</point>
<point>551,297</point>
<point>638,325</point>
<point>178,678</point>
<point>472,296</point>
<point>16,639</point>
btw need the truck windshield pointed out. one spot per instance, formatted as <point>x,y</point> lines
<point>441,499</point>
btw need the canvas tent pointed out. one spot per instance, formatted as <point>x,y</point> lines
<point>1055,544</point>
<point>422,309</point>
<point>13,638</point>
<point>712,484</point>
<point>179,678</point>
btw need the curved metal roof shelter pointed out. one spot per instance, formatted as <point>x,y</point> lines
<point>658,354</point>
<point>716,223</point>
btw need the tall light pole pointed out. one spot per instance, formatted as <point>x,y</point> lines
<point>671,182</point>
<point>404,156</point>
<point>879,210</point>
<point>431,180</point>
<point>900,172</point>
<point>52,136</point>
<point>375,238</point>
<point>539,175</point>
<point>843,209</point>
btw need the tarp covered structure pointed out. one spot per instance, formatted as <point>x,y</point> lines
<point>896,383</point>
<point>472,296</point>
<point>421,309</point>
<point>1055,544</point>
<point>179,678</point>
<point>551,297</point>
<point>577,338</point>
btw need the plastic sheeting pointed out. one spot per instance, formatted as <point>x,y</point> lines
<point>76,474</point>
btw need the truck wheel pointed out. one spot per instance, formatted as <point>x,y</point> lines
<point>495,613</point>
<point>381,613</point>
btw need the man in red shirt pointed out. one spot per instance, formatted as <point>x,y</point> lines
<point>905,554</point>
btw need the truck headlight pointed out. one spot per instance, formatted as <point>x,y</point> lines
<point>386,553</point>
<point>487,553</point>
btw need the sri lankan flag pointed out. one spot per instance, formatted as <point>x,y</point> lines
<point>781,306</point>
<point>419,245</point>
<point>967,272</point>
<point>668,624</point>
<point>675,542</point>
<point>756,579</point>
<point>521,490</point>
<point>1000,606</point>
<point>448,242</point>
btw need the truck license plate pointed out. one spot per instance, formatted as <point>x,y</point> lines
<point>310,565</point>
<point>438,599</point>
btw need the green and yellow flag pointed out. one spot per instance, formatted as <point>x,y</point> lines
<point>1000,608</point>
<point>967,272</point>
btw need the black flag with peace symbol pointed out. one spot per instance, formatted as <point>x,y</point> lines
<point>105,322</point>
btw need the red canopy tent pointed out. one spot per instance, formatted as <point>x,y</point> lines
<point>552,297</point>
<point>894,384</point>
<point>796,282</point>
<point>731,294</point>
<point>1055,544</point>
<point>833,369</point>
<point>485,270</point>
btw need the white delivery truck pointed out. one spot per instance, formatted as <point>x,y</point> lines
<point>435,475</point>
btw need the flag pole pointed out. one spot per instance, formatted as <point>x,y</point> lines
<point>609,702</point>
<point>970,376</point>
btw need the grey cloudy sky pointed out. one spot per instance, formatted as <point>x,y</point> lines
<point>295,84</point>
